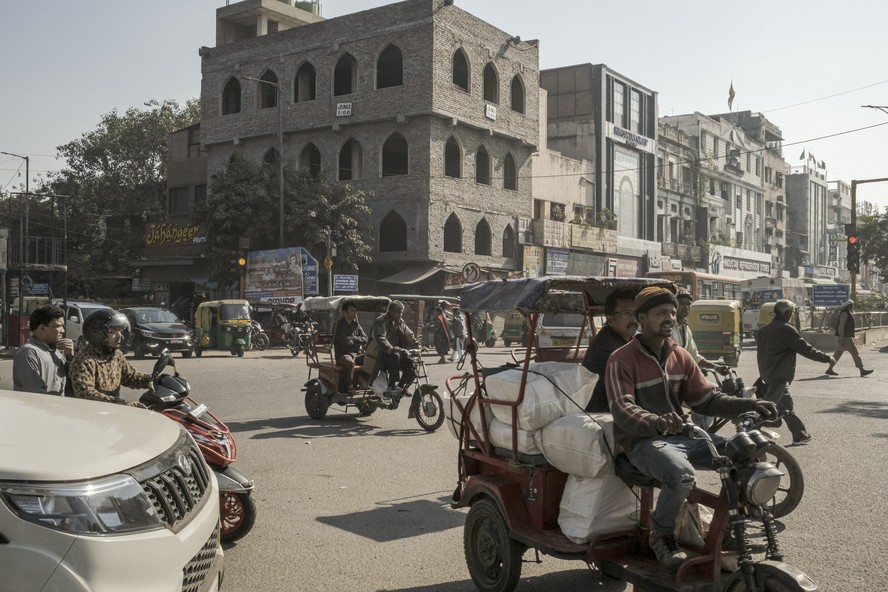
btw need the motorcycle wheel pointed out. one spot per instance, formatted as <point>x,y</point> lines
<point>507,342</point>
<point>294,351</point>
<point>237,512</point>
<point>771,578</point>
<point>316,402</point>
<point>490,342</point>
<point>186,354</point>
<point>365,407</point>
<point>792,484</point>
<point>239,350</point>
<point>493,558</point>
<point>261,341</point>
<point>430,411</point>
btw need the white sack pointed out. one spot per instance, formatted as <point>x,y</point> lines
<point>501,437</point>
<point>544,402</point>
<point>592,507</point>
<point>576,444</point>
<point>454,415</point>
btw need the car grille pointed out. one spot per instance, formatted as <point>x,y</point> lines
<point>176,492</point>
<point>195,571</point>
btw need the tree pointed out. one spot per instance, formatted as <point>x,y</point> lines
<point>243,202</point>
<point>116,179</point>
<point>872,231</point>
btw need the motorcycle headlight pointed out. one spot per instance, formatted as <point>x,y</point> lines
<point>227,328</point>
<point>107,506</point>
<point>759,482</point>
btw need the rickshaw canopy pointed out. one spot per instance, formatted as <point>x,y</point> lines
<point>551,294</point>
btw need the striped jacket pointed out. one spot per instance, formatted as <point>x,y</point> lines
<point>640,388</point>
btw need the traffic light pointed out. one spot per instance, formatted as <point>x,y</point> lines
<point>233,262</point>
<point>242,262</point>
<point>853,253</point>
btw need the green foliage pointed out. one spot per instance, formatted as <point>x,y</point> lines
<point>116,180</point>
<point>243,201</point>
<point>873,234</point>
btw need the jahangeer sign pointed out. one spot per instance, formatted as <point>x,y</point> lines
<point>164,239</point>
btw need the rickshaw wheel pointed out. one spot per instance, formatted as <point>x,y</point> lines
<point>239,350</point>
<point>493,558</point>
<point>770,578</point>
<point>316,403</point>
<point>365,407</point>
<point>507,342</point>
<point>792,485</point>
<point>430,411</point>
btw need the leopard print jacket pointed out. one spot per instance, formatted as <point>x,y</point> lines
<point>98,374</point>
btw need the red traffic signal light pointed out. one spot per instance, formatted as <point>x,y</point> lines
<point>852,240</point>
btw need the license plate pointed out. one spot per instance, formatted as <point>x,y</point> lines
<point>175,341</point>
<point>198,411</point>
<point>566,341</point>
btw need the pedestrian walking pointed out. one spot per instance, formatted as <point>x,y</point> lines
<point>458,329</point>
<point>845,340</point>
<point>778,343</point>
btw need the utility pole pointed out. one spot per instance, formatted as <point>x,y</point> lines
<point>23,229</point>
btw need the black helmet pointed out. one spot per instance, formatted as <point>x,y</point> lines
<point>97,325</point>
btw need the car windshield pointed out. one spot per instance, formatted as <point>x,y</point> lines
<point>563,320</point>
<point>234,312</point>
<point>155,316</point>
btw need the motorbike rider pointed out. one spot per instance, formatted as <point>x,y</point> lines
<point>349,340</point>
<point>99,369</point>
<point>647,410</point>
<point>394,337</point>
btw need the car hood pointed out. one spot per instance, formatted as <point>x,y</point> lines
<point>50,438</point>
<point>164,327</point>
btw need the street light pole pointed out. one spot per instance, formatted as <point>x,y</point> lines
<point>23,242</point>
<point>279,95</point>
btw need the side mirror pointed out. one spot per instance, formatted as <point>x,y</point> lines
<point>165,359</point>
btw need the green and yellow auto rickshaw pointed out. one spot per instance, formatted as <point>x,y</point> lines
<point>716,325</point>
<point>222,324</point>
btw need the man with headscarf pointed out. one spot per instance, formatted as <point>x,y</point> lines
<point>778,343</point>
<point>845,339</point>
<point>648,380</point>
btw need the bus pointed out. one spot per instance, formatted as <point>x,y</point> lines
<point>703,286</point>
<point>761,290</point>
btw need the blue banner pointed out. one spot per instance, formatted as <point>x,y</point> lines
<point>345,283</point>
<point>309,273</point>
<point>830,295</point>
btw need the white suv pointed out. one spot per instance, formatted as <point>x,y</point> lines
<point>97,497</point>
<point>75,314</point>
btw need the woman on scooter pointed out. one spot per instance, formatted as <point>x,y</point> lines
<point>100,369</point>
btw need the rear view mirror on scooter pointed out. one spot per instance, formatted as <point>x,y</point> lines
<point>165,359</point>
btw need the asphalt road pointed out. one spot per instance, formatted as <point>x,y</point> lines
<point>362,504</point>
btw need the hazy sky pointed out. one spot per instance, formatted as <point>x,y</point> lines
<point>808,66</point>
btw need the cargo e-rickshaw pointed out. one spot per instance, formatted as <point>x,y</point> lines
<point>717,329</point>
<point>322,388</point>
<point>516,499</point>
<point>222,324</point>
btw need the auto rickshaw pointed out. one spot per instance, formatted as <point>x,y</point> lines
<point>514,330</point>
<point>519,500</point>
<point>274,316</point>
<point>717,329</point>
<point>222,324</point>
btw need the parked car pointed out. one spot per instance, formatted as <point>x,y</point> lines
<point>154,329</point>
<point>103,497</point>
<point>75,313</point>
<point>561,329</point>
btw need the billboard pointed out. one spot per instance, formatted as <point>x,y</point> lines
<point>275,275</point>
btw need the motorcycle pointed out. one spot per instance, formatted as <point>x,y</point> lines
<point>299,336</point>
<point>170,395</point>
<point>260,337</point>
<point>792,484</point>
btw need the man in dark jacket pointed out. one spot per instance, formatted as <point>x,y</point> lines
<point>845,339</point>
<point>778,343</point>
<point>349,340</point>
<point>394,338</point>
<point>619,312</point>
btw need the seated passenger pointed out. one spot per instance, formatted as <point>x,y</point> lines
<point>349,340</point>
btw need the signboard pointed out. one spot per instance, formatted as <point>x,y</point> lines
<point>471,273</point>
<point>141,285</point>
<point>534,263</point>
<point>175,240</point>
<point>309,273</point>
<point>40,289</point>
<point>345,283</point>
<point>274,274</point>
<point>556,261</point>
<point>490,112</point>
<point>829,294</point>
<point>343,109</point>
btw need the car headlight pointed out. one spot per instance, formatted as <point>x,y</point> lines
<point>146,333</point>
<point>111,505</point>
<point>760,482</point>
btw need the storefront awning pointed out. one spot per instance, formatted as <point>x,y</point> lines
<point>412,275</point>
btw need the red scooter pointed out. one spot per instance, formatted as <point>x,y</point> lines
<point>170,395</point>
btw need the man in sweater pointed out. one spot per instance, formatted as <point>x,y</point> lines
<point>647,382</point>
<point>619,312</point>
<point>845,340</point>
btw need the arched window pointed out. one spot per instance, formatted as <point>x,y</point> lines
<point>390,67</point>
<point>452,159</point>
<point>482,166</point>
<point>231,97</point>
<point>482,238</point>
<point>452,235</point>
<point>461,70</point>
<point>510,173</point>
<point>310,160</point>
<point>394,156</point>
<point>345,76</point>
<point>517,94</point>
<point>305,84</point>
<point>392,233</point>
<point>491,84</point>
<point>271,157</point>
<point>268,90</point>
<point>509,242</point>
<point>350,161</point>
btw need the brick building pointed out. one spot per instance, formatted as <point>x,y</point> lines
<point>431,109</point>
